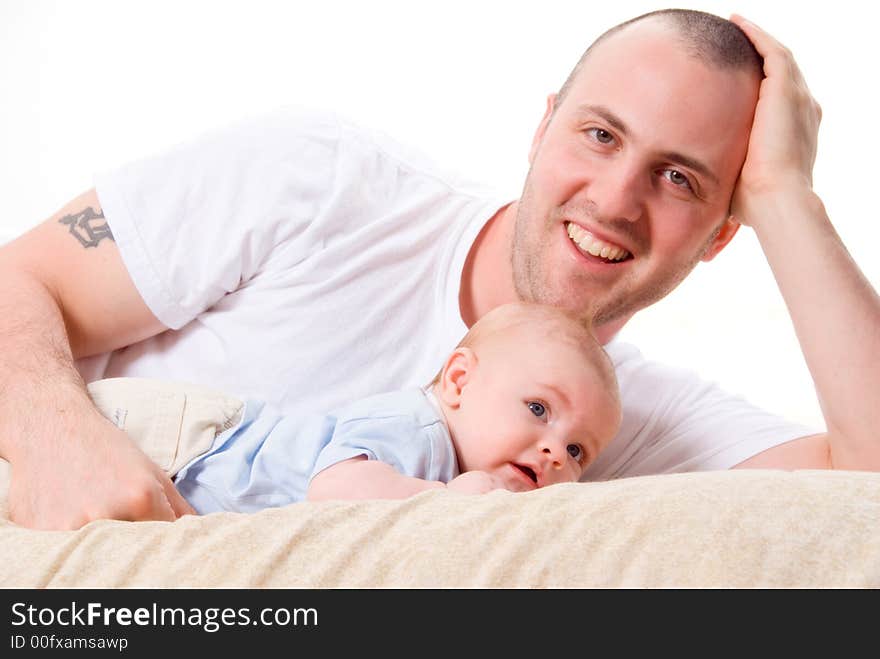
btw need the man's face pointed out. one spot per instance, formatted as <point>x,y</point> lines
<point>637,163</point>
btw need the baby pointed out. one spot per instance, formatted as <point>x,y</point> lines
<point>527,399</point>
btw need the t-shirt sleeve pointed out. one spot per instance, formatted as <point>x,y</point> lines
<point>396,441</point>
<point>205,217</point>
<point>674,421</point>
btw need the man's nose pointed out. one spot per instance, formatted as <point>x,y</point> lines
<point>617,191</point>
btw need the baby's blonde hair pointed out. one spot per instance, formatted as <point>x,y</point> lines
<point>555,323</point>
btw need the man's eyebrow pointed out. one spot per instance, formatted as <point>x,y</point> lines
<point>673,156</point>
<point>615,121</point>
<point>690,163</point>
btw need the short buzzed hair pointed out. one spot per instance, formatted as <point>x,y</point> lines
<point>709,38</point>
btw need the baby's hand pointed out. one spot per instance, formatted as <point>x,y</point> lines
<point>475,482</point>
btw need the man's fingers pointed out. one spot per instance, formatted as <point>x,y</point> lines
<point>179,505</point>
<point>164,512</point>
<point>779,63</point>
<point>764,43</point>
<point>148,502</point>
<point>778,60</point>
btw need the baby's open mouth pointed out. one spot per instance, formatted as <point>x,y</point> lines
<point>528,471</point>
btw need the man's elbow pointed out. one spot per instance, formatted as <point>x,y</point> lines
<point>811,452</point>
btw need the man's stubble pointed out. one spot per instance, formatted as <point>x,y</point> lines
<point>530,262</point>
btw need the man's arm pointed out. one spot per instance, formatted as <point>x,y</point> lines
<point>66,294</point>
<point>834,309</point>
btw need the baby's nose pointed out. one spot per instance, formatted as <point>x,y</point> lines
<point>554,454</point>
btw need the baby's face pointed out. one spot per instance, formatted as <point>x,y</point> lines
<point>533,413</point>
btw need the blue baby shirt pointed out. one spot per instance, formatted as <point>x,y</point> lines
<point>268,459</point>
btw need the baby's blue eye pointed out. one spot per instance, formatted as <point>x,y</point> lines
<point>537,409</point>
<point>575,451</point>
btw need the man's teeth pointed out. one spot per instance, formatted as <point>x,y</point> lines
<point>592,245</point>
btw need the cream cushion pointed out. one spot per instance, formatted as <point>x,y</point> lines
<point>740,528</point>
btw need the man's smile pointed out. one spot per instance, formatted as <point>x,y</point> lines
<point>590,245</point>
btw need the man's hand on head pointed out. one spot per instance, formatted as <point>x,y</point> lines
<point>834,308</point>
<point>784,136</point>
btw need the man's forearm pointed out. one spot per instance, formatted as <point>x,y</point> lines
<point>836,316</point>
<point>63,297</point>
<point>36,363</point>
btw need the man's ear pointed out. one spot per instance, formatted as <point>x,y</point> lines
<point>725,235</point>
<point>455,375</point>
<point>542,127</point>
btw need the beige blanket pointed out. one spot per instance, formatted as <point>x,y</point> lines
<point>719,529</point>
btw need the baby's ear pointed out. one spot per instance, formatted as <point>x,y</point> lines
<point>455,375</point>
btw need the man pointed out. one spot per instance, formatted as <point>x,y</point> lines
<point>312,265</point>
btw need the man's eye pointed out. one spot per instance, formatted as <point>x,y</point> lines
<point>575,451</point>
<point>601,135</point>
<point>537,409</point>
<point>677,178</point>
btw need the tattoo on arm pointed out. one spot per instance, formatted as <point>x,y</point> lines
<point>88,227</point>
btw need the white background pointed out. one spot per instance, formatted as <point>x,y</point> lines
<point>88,85</point>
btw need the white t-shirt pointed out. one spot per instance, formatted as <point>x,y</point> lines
<point>309,262</point>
